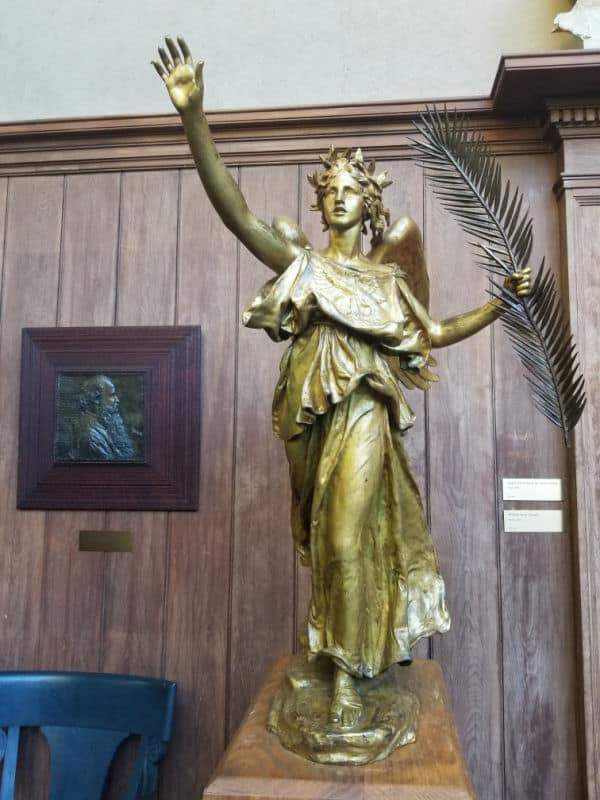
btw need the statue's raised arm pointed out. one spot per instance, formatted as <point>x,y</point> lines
<point>185,84</point>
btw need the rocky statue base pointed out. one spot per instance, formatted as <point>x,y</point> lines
<point>300,714</point>
<point>256,766</point>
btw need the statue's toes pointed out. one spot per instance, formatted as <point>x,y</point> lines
<point>335,713</point>
<point>351,716</point>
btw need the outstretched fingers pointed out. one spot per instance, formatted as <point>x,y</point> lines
<point>161,70</point>
<point>165,59</point>
<point>185,50</point>
<point>178,71</point>
<point>175,54</point>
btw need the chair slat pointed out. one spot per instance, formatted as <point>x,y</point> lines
<point>9,770</point>
<point>80,760</point>
<point>144,781</point>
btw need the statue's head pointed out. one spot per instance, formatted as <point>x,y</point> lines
<point>371,185</point>
<point>100,404</point>
<point>98,395</point>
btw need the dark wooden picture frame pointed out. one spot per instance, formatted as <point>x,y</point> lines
<point>168,476</point>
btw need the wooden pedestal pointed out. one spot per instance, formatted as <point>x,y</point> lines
<point>256,767</point>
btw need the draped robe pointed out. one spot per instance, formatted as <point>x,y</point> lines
<point>338,406</point>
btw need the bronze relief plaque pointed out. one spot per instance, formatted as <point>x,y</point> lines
<point>100,417</point>
<point>110,418</point>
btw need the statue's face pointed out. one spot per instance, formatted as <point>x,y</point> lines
<point>343,202</point>
<point>110,398</point>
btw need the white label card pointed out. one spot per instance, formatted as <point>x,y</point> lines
<point>532,489</point>
<point>533,520</point>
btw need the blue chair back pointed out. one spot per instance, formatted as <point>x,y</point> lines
<point>85,717</point>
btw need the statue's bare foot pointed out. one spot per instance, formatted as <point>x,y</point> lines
<point>346,706</point>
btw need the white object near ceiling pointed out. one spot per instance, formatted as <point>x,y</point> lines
<point>582,21</point>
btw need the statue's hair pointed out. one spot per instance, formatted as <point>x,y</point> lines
<point>364,174</point>
<point>92,392</point>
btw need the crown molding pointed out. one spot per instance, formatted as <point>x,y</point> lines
<point>525,82</point>
<point>246,137</point>
<point>512,119</point>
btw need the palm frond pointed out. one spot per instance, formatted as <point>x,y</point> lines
<point>467,179</point>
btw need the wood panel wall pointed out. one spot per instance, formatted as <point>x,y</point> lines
<point>579,195</point>
<point>209,599</point>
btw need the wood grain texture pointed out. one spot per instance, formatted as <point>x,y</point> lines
<point>463,506</point>
<point>134,589</point>
<point>256,767</point>
<point>89,250</point>
<point>72,607</point>
<point>148,248</point>
<point>195,647</point>
<point>581,211</point>
<point>29,292</point>
<point>262,603</point>
<point>71,611</point>
<point>538,631</point>
<point>134,596</point>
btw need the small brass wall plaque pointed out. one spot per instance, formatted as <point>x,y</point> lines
<point>105,541</point>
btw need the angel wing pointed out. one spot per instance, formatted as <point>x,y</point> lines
<point>402,244</point>
<point>290,231</point>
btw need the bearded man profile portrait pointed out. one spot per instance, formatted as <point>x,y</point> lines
<point>99,433</point>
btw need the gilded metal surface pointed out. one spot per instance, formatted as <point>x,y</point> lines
<point>358,327</point>
<point>300,714</point>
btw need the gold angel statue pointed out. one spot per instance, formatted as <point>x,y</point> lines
<point>358,328</point>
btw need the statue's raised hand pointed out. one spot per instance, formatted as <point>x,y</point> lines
<point>182,77</point>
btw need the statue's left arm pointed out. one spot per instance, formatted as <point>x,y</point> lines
<point>455,329</point>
